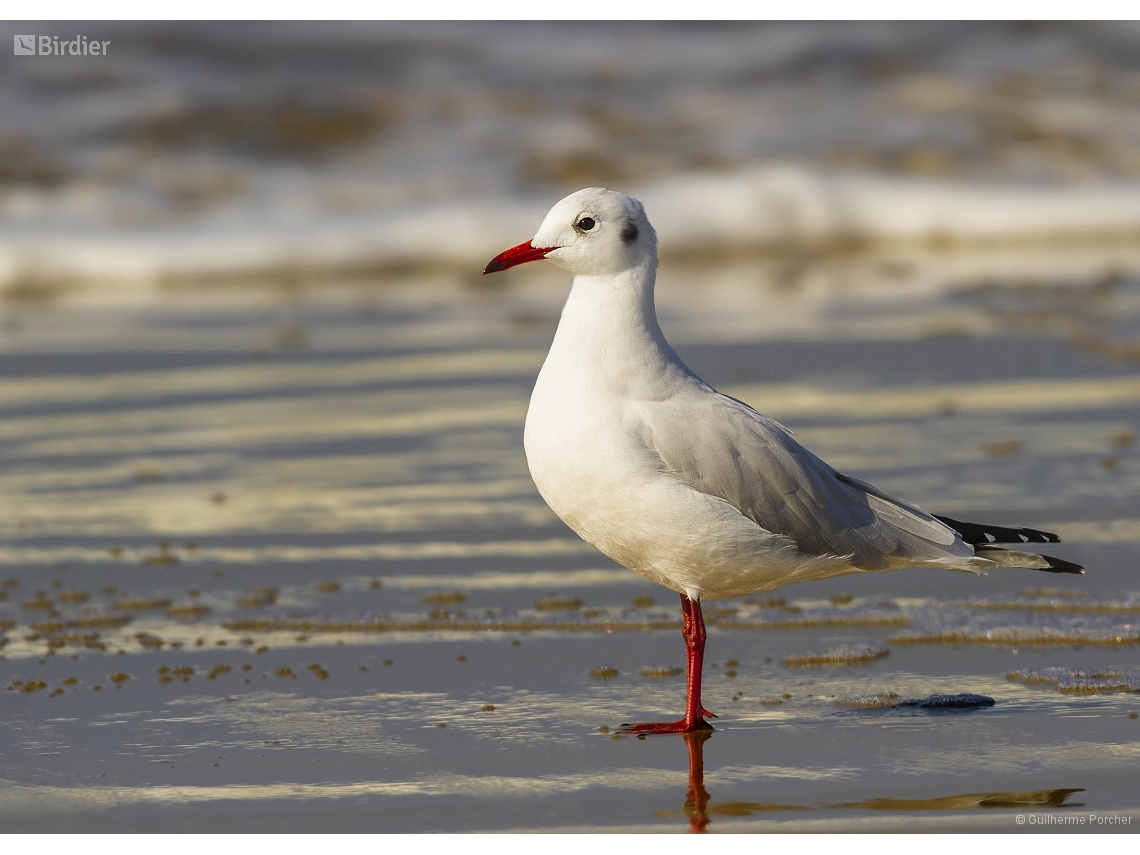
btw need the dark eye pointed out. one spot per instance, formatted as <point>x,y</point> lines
<point>585,224</point>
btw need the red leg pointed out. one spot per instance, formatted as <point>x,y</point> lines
<point>693,630</point>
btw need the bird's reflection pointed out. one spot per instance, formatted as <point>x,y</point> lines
<point>697,799</point>
<point>697,807</point>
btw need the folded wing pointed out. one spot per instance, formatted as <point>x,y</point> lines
<point>724,448</point>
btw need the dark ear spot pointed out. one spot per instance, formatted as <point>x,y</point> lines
<point>629,232</point>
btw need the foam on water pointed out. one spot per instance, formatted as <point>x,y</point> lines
<point>847,654</point>
<point>1078,681</point>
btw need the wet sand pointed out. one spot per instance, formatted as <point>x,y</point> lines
<point>274,562</point>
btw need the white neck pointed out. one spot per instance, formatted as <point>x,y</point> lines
<point>609,331</point>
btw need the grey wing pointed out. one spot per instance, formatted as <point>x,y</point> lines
<point>722,447</point>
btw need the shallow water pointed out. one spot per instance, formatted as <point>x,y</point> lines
<point>275,563</point>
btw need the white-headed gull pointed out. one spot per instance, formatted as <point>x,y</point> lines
<point>688,487</point>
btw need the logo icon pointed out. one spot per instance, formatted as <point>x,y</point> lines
<point>24,46</point>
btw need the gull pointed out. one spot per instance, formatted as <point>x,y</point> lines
<point>690,488</point>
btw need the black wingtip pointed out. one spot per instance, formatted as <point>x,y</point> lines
<point>1057,565</point>
<point>979,534</point>
<point>1027,560</point>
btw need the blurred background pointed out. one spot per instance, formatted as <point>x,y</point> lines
<point>215,149</point>
<point>261,465</point>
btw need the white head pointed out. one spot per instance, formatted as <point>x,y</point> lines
<point>592,232</point>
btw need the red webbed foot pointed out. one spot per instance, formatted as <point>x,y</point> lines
<point>681,726</point>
